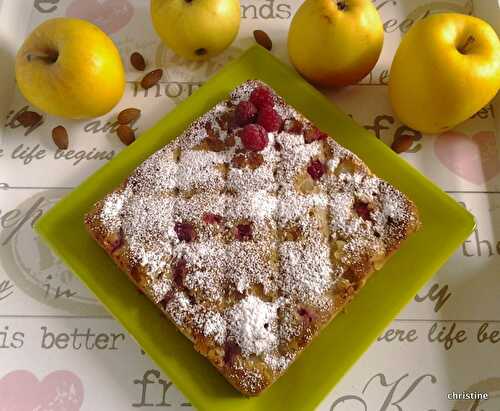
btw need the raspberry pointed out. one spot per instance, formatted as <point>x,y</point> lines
<point>308,315</point>
<point>262,97</point>
<point>362,210</point>
<point>244,232</point>
<point>211,218</point>
<point>231,350</point>
<point>245,113</point>
<point>269,119</point>
<point>185,232</point>
<point>254,137</point>
<point>313,134</point>
<point>179,271</point>
<point>316,169</point>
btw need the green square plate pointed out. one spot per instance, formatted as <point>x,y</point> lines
<point>314,374</point>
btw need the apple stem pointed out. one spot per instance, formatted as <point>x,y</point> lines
<point>341,5</point>
<point>49,57</point>
<point>463,49</point>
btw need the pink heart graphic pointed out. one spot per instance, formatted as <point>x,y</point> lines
<point>109,15</point>
<point>59,391</point>
<point>474,158</point>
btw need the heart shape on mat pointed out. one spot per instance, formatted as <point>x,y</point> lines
<point>109,15</point>
<point>61,390</point>
<point>474,158</point>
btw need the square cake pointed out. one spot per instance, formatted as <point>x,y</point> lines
<point>251,231</point>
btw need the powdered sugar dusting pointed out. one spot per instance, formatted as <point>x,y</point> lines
<point>110,213</point>
<point>199,170</point>
<point>179,308</point>
<point>278,362</point>
<point>158,288</point>
<point>293,206</point>
<point>208,284</point>
<point>262,178</point>
<point>215,327</point>
<point>263,255</point>
<point>251,323</point>
<point>295,156</point>
<point>259,206</point>
<point>202,255</point>
<point>147,226</point>
<point>162,166</point>
<point>248,265</point>
<point>306,271</point>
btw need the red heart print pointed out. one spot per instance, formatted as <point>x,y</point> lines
<point>109,15</point>
<point>474,158</point>
<point>61,390</point>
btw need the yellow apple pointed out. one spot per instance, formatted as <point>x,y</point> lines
<point>196,29</point>
<point>446,68</point>
<point>335,43</point>
<point>70,68</point>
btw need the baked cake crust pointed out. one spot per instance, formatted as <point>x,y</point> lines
<point>251,253</point>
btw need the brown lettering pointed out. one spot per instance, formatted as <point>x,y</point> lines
<point>484,335</point>
<point>388,24</point>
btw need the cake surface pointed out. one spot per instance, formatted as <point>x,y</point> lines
<point>251,242</point>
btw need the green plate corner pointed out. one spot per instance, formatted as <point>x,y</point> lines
<point>323,364</point>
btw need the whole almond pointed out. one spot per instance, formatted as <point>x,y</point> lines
<point>28,118</point>
<point>262,38</point>
<point>137,61</point>
<point>152,78</point>
<point>402,143</point>
<point>128,115</point>
<point>60,137</point>
<point>125,134</point>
